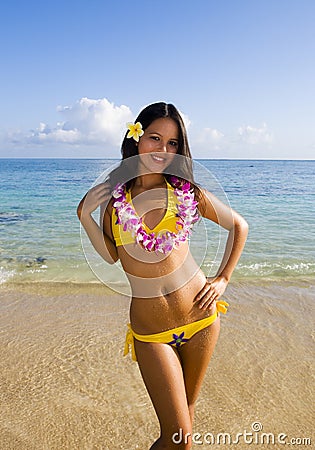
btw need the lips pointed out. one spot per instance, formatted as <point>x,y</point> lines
<point>158,159</point>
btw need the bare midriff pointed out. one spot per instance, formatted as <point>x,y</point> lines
<point>163,288</point>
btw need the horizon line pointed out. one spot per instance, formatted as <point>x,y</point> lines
<point>200,159</point>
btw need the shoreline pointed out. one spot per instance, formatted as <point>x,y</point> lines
<point>56,286</point>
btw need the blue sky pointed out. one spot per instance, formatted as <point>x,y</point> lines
<point>241,72</point>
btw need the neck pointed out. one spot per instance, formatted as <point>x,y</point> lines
<point>150,180</point>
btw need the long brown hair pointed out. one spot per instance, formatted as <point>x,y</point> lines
<point>184,166</point>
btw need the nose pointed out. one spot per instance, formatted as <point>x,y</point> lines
<point>163,147</point>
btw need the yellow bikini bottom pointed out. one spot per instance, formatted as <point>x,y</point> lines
<point>175,337</point>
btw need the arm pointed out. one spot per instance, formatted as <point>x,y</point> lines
<point>99,237</point>
<point>237,227</point>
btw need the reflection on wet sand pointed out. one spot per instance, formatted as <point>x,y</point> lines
<point>65,384</point>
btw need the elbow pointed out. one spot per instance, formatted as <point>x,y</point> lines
<point>112,259</point>
<point>79,211</point>
<point>244,224</point>
<point>241,225</point>
<point>112,262</point>
<point>80,207</point>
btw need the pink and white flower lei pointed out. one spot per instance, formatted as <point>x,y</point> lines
<point>162,242</point>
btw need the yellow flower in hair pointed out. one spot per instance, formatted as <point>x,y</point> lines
<point>135,131</point>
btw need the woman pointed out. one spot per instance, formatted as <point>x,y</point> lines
<point>148,208</point>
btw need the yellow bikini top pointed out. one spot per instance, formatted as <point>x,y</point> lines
<point>168,222</point>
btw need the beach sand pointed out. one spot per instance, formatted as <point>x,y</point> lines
<point>65,384</point>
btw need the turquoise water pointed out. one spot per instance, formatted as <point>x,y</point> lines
<point>40,233</point>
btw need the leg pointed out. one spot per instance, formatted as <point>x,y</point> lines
<point>195,356</point>
<point>162,373</point>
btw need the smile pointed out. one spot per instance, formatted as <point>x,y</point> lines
<point>157,158</point>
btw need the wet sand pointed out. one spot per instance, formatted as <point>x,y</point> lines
<point>65,385</point>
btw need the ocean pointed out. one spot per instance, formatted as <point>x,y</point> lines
<point>40,236</point>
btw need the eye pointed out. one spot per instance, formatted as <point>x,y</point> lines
<point>155,138</point>
<point>173,143</point>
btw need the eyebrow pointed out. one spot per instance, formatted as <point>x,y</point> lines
<point>155,132</point>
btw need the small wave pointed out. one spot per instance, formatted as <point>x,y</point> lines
<point>23,261</point>
<point>5,274</point>
<point>36,261</point>
<point>21,268</point>
<point>277,269</point>
<point>12,217</point>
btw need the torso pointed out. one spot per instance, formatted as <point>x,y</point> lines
<point>163,286</point>
<point>163,298</point>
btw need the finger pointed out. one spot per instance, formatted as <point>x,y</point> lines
<point>203,292</point>
<point>207,304</point>
<point>101,188</point>
<point>95,197</point>
<point>208,299</point>
<point>204,300</point>
<point>102,193</point>
<point>208,289</point>
<point>105,194</point>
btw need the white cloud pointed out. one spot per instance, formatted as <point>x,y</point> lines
<point>253,136</point>
<point>210,135</point>
<point>244,141</point>
<point>208,142</point>
<point>88,121</point>
<point>186,120</point>
<point>101,124</point>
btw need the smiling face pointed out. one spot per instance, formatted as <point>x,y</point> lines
<point>158,144</point>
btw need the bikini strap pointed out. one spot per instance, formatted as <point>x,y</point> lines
<point>222,306</point>
<point>130,342</point>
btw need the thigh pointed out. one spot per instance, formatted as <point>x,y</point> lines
<point>195,356</point>
<point>162,373</point>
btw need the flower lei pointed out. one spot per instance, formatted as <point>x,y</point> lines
<point>161,242</point>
